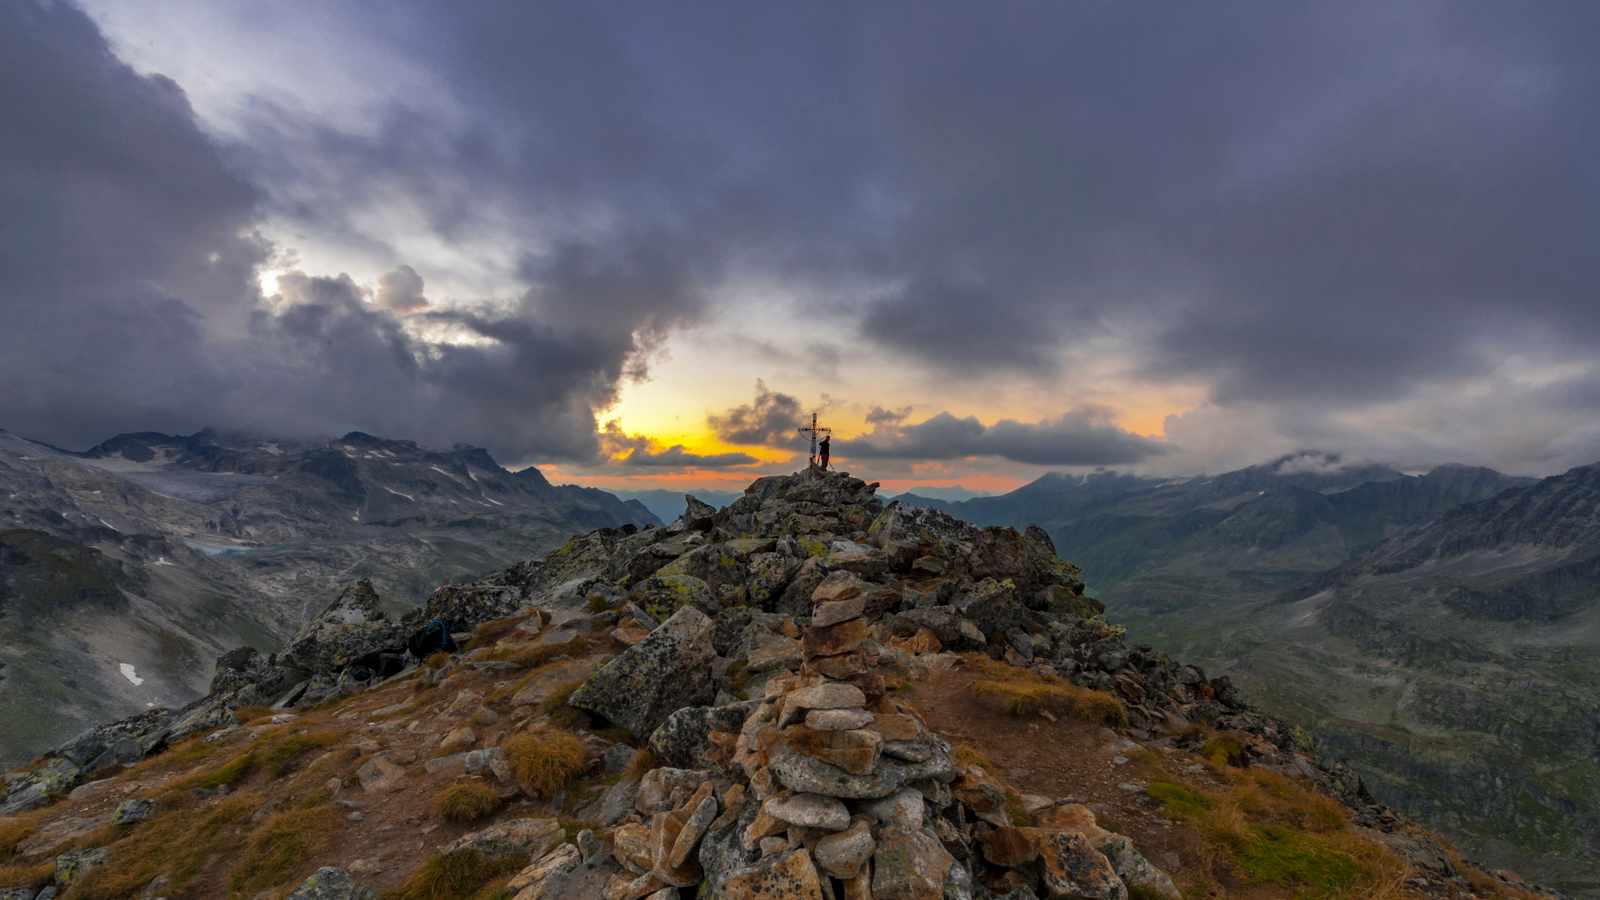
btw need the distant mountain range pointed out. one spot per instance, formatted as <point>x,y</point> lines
<point>127,568</point>
<point>669,505</point>
<point>1441,630</point>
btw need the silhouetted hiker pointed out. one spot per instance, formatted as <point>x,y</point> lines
<point>822,454</point>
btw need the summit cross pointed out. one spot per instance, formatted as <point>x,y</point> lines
<point>814,430</point>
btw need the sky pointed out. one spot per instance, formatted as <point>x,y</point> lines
<point>637,244</point>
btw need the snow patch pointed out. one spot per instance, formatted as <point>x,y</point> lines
<point>162,561</point>
<point>109,525</point>
<point>130,673</point>
<point>398,494</point>
<point>494,501</point>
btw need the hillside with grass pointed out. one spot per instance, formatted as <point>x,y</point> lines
<point>805,694</point>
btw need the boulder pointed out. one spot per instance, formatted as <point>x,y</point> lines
<point>683,739</point>
<point>352,626</point>
<point>790,876</point>
<point>909,865</point>
<point>1072,869</point>
<point>329,883</point>
<point>844,854</point>
<point>639,688</point>
<point>547,878</point>
<point>809,811</point>
<point>517,838</point>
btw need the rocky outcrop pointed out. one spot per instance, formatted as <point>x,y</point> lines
<point>782,760</point>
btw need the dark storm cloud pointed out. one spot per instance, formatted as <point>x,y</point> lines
<point>129,296</point>
<point>880,416</point>
<point>771,420</point>
<point>1304,207</point>
<point>1326,203</point>
<point>1084,437</point>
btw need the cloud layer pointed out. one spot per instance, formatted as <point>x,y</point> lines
<point>1084,437</point>
<point>1362,223</point>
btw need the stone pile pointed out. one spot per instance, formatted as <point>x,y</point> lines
<point>825,786</point>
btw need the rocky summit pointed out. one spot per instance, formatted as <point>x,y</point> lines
<point>808,693</point>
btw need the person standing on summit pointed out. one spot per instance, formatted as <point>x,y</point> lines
<point>822,453</point>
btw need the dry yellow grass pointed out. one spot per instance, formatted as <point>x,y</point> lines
<point>531,654</point>
<point>494,630</point>
<point>461,875</point>
<point>967,755</point>
<point>27,875</point>
<point>1273,830</point>
<point>179,842</point>
<point>466,801</point>
<point>545,760</point>
<point>1024,692</point>
<point>282,844</point>
<point>13,831</point>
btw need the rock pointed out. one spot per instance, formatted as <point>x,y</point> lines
<point>833,640</point>
<point>547,878</point>
<point>828,695</point>
<point>665,828</point>
<point>837,719</point>
<point>131,811</point>
<point>722,850</point>
<point>666,788</point>
<point>519,838</point>
<point>591,847</point>
<point>1071,868</point>
<point>694,828</point>
<point>809,811</point>
<point>1135,871</point>
<point>1011,847</point>
<point>903,810</point>
<point>835,611</point>
<point>776,653</point>
<point>683,739</point>
<point>855,751</point>
<point>632,847</point>
<point>697,515</point>
<point>639,688</point>
<point>836,587</point>
<point>352,626</point>
<point>791,876</point>
<point>329,883</point>
<point>380,774</point>
<point>74,864</point>
<point>458,739</point>
<point>491,760</point>
<point>909,865</point>
<point>843,855</point>
<point>808,775</point>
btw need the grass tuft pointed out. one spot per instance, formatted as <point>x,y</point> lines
<point>545,760</point>
<point>179,842</point>
<point>966,755</point>
<point>454,876</point>
<point>436,660</point>
<point>1031,696</point>
<point>279,756</point>
<point>642,761</point>
<point>30,876</point>
<point>13,831</point>
<point>532,653</point>
<point>554,705</point>
<point>494,630</point>
<point>280,846</point>
<point>466,801</point>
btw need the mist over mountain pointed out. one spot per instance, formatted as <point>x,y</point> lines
<point>127,568</point>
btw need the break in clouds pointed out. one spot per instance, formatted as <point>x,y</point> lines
<point>1363,226</point>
